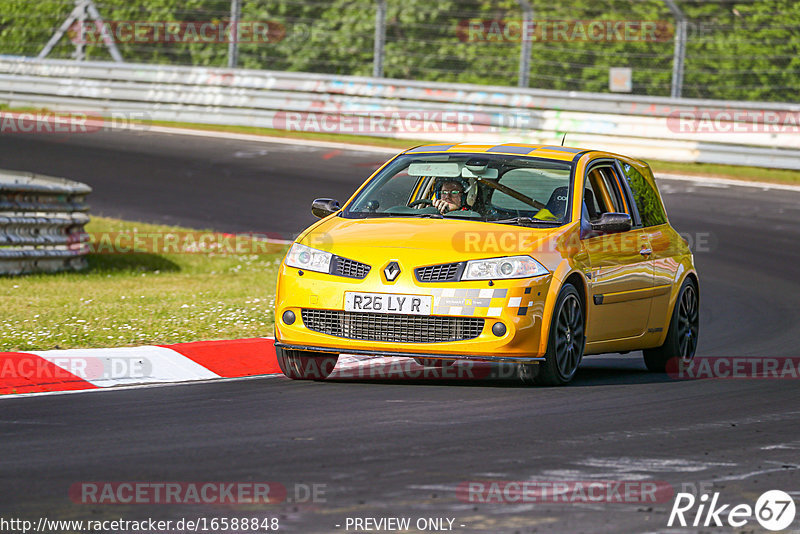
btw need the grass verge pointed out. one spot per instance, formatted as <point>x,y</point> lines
<point>368,140</point>
<point>142,298</point>
<point>735,172</point>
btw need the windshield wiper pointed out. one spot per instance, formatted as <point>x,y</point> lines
<point>524,220</point>
<point>378,215</point>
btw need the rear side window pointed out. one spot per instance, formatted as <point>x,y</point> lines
<point>605,190</point>
<point>650,209</point>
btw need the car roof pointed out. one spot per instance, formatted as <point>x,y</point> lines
<point>561,153</point>
<point>552,152</point>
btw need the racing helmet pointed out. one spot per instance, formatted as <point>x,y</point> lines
<point>465,188</point>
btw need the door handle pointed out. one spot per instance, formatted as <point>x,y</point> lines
<point>646,251</point>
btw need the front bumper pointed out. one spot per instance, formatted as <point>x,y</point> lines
<point>518,304</point>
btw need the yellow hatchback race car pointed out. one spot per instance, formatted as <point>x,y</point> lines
<point>526,254</point>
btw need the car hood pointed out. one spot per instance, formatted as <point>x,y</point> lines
<point>442,240</point>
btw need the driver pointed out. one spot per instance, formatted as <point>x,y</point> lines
<point>450,197</point>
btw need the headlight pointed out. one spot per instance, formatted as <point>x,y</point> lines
<point>308,258</point>
<point>509,267</point>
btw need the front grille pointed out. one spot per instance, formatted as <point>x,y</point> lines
<point>349,268</point>
<point>447,272</point>
<point>392,327</point>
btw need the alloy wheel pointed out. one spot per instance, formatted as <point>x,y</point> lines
<point>688,324</point>
<point>569,336</point>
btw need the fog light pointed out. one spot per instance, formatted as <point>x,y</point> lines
<point>289,317</point>
<point>499,329</point>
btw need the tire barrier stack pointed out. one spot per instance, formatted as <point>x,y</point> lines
<point>42,223</point>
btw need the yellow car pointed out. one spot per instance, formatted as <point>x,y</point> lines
<point>530,254</point>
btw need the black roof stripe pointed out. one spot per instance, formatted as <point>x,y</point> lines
<point>431,148</point>
<point>511,149</point>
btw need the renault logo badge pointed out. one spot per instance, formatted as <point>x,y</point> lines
<point>391,271</point>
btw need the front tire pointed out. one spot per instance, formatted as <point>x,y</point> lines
<point>682,335</point>
<point>306,365</point>
<point>565,345</point>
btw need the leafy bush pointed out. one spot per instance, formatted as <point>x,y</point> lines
<point>736,50</point>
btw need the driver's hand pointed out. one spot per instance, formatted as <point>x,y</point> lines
<point>441,205</point>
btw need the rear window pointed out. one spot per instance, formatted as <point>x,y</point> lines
<point>650,209</point>
<point>534,183</point>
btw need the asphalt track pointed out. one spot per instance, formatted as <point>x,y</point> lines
<point>397,448</point>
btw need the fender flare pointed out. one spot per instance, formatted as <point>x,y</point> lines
<point>560,276</point>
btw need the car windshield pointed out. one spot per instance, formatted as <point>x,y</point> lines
<point>483,187</point>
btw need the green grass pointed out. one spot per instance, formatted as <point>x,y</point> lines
<point>735,172</point>
<point>388,142</point>
<point>142,298</point>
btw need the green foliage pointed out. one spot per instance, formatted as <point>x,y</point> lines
<point>740,50</point>
<point>25,28</point>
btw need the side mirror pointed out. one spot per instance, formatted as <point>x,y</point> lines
<point>322,207</point>
<point>612,223</point>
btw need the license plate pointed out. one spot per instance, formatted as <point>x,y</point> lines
<point>388,303</point>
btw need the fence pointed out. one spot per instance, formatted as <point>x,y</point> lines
<point>645,127</point>
<point>734,51</point>
<point>42,223</point>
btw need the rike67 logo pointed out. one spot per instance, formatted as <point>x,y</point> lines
<point>774,510</point>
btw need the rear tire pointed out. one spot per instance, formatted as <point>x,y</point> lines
<point>306,365</point>
<point>682,335</point>
<point>565,345</point>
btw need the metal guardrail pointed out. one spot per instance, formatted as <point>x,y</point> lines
<point>42,223</point>
<point>635,125</point>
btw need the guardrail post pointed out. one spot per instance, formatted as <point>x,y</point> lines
<point>525,49</point>
<point>233,44</point>
<point>380,39</point>
<point>679,54</point>
<point>80,46</point>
